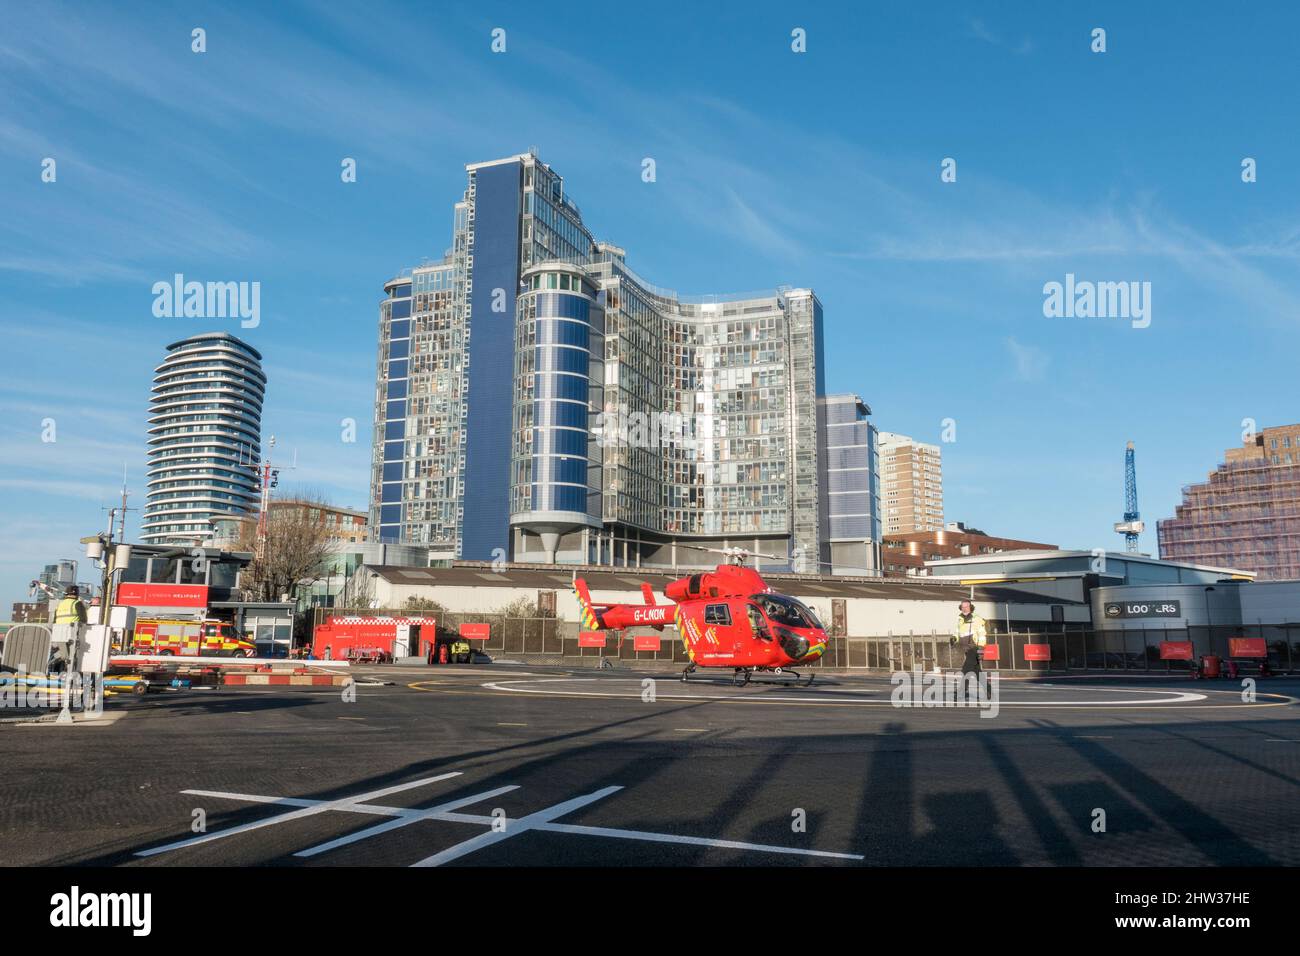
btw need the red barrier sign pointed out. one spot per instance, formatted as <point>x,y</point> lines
<point>1038,652</point>
<point>1176,650</point>
<point>591,639</point>
<point>476,632</point>
<point>992,653</point>
<point>646,642</point>
<point>1247,647</point>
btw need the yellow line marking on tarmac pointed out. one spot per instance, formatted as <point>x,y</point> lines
<point>351,718</point>
<point>507,723</point>
<point>105,719</point>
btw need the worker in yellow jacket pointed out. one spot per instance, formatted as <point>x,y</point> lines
<point>971,634</point>
<point>71,609</point>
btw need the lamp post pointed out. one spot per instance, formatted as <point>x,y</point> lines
<point>1209,628</point>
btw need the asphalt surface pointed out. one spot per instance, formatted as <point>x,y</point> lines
<point>523,766</point>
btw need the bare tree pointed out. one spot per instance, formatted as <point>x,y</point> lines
<point>414,603</point>
<point>296,549</point>
<point>520,607</point>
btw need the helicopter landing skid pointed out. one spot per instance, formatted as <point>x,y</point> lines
<point>785,675</point>
<point>742,676</point>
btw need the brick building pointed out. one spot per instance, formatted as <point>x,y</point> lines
<point>1247,513</point>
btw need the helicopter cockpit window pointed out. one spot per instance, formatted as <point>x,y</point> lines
<point>717,614</point>
<point>786,610</point>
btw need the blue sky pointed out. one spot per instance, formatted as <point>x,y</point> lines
<point>818,169</point>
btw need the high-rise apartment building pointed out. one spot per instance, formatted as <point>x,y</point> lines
<point>205,429</point>
<point>850,507</point>
<point>1247,514</point>
<point>538,400</point>
<point>912,475</point>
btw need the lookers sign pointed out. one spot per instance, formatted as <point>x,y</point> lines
<point>1121,609</point>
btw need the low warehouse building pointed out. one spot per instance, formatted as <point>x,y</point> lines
<point>854,610</point>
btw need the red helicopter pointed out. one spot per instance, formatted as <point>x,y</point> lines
<point>728,617</point>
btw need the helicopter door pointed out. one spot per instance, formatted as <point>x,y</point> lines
<point>758,622</point>
<point>718,629</point>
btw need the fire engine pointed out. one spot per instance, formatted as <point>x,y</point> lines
<point>208,638</point>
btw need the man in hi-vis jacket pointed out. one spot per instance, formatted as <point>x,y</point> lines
<point>971,634</point>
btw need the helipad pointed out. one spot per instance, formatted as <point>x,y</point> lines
<point>874,692</point>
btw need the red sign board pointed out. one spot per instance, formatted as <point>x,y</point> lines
<point>591,639</point>
<point>1247,647</point>
<point>476,632</point>
<point>163,595</point>
<point>1176,650</point>
<point>646,642</point>
<point>1038,652</point>
<point>992,652</point>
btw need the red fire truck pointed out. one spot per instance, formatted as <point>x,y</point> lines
<point>175,637</point>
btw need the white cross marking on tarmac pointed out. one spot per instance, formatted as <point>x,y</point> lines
<point>514,828</point>
<point>407,818</point>
<point>541,820</point>
<point>314,807</point>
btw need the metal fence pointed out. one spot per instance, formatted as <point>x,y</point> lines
<point>546,640</point>
<point>1081,651</point>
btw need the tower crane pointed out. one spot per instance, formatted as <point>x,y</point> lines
<point>1132,525</point>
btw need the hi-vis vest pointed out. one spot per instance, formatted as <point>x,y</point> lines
<point>971,629</point>
<point>69,611</point>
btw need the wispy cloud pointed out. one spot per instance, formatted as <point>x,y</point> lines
<point>1028,361</point>
<point>981,31</point>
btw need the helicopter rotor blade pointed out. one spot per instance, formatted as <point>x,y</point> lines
<point>739,552</point>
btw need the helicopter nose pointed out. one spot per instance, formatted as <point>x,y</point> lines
<point>795,645</point>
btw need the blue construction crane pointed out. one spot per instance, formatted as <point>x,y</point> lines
<point>1132,525</point>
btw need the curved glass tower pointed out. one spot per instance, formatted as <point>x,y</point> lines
<point>204,436</point>
<point>559,349</point>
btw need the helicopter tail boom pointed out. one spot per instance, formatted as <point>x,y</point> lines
<point>617,616</point>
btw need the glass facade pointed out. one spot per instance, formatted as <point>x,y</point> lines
<point>850,486</point>
<point>419,411</point>
<point>558,374</point>
<point>578,403</point>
